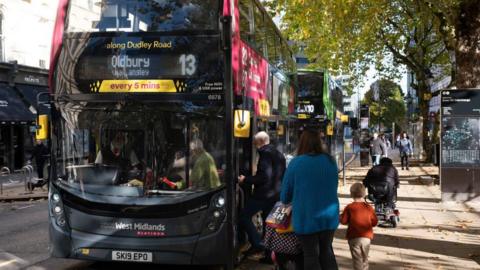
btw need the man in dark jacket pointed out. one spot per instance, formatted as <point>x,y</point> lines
<point>267,185</point>
<point>40,154</point>
<point>383,175</point>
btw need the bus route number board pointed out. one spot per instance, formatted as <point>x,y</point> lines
<point>131,256</point>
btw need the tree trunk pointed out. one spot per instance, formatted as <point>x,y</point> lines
<point>423,104</point>
<point>467,50</point>
<point>426,141</point>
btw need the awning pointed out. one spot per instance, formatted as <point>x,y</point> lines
<point>31,92</point>
<point>12,109</point>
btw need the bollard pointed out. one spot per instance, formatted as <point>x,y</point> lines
<point>27,176</point>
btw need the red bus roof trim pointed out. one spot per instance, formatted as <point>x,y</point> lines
<point>57,39</point>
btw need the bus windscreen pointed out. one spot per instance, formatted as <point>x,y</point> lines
<point>129,149</point>
<point>142,15</point>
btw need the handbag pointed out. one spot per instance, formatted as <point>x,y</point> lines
<point>279,217</point>
<point>286,243</point>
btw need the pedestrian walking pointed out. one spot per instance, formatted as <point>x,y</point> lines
<point>310,185</point>
<point>377,149</point>
<point>267,184</point>
<point>405,148</point>
<point>40,154</point>
<point>360,218</point>
<point>387,144</point>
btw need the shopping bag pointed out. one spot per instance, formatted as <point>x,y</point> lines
<point>279,217</point>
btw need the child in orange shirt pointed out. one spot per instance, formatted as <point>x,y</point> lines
<point>361,219</point>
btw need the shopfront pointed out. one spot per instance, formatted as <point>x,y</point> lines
<point>20,90</point>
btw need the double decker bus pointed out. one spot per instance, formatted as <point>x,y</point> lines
<point>154,103</point>
<point>320,106</point>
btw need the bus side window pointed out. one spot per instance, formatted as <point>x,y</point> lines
<point>246,20</point>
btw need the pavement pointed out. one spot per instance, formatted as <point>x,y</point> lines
<point>12,188</point>
<point>431,234</point>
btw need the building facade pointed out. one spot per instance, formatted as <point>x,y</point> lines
<point>26,28</point>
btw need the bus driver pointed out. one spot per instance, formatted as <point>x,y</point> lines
<point>115,155</point>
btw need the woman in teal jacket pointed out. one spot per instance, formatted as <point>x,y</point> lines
<point>310,185</point>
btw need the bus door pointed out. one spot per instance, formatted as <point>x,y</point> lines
<point>245,153</point>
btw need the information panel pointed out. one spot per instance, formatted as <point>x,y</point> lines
<point>460,145</point>
<point>461,128</point>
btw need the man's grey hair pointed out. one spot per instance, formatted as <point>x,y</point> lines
<point>196,144</point>
<point>262,137</point>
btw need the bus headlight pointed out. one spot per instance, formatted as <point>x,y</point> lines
<point>216,213</point>
<point>56,207</point>
<point>220,201</point>
<point>60,221</point>
<point>57,210</point>
<point>56,197</point>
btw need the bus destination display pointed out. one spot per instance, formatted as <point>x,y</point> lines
<point>150,64</point>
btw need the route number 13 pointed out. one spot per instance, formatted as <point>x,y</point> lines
<point>189,64</point>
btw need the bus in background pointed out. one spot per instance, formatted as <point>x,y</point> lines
<point>320,106</point>
<point>154,108</point>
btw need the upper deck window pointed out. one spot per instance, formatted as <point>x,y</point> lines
<point>310,85</point>
<point>143,15</point>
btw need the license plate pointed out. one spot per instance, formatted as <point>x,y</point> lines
<point>131,256</point>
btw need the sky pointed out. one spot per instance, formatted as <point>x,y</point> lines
<point>372,77</point>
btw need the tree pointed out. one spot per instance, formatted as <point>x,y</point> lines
<point>459,26</point>
<point>348,36</point>
<point>387,107</point>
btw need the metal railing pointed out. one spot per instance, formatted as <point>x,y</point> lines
<point>4,171</point>
<point>27,171</point>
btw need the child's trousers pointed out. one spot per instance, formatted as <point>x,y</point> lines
<point>359,247</point>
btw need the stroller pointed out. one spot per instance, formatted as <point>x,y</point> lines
<point>384,196</point>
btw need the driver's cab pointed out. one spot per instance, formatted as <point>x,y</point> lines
<point>143,147</point>
<point>122,151</point>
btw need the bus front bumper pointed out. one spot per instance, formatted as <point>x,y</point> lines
<point>195,250</point>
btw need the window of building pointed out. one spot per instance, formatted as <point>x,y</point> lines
<point>42,63</point>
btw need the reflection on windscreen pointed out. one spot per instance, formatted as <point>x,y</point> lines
<point>140,146</point>
<point>142,15</point>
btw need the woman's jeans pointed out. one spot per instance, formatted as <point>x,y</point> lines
<point>318,251</point>
<point>404,159</point>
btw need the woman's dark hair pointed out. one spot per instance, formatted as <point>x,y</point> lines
<point>311,144</point>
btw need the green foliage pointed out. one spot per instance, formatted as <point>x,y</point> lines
<point>389,108</point>
<point>348,36</point>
